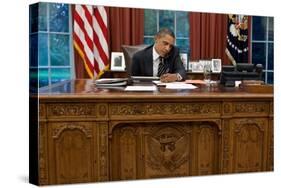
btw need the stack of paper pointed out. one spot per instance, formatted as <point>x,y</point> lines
<point>179,85</point>
<point>111,82</point>
<point>175,85</point>
<point>140,88</point>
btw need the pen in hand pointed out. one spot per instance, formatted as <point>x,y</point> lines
<point>168,77</point>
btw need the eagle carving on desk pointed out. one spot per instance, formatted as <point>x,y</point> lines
<point>167,148</point>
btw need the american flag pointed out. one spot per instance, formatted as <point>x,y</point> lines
<point>90,38</point>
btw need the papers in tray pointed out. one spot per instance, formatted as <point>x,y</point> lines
<point>111,82</point>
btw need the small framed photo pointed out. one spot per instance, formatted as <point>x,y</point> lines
<point>190,64</point>
<point>198,66</point>
<point>117,61</point>
<point>216,65</point>
<point>184,60</point>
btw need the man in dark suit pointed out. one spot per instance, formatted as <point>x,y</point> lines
<point>160,59</point>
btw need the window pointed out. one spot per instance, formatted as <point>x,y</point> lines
<point>177,21</point>
<point>50,44</point>
<point>262,45</point>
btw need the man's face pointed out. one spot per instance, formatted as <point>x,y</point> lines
<point>164,44</point>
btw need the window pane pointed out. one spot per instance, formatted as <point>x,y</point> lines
<point>59,18</point>
<point>259,28</point>
<point>42,16</point>
<point>60,74</point>
<point>43,77</point>
<point>43,49</point>
<point>270,56</point>
<point>150,20</point>
<point>258,53</point>
<point>38,17</point>
<point>270,77</point>
<point>148,40</point>
<point>59,50</point>
<point>33,17</point>
<point>33,50</point>
<point>183,44</point>
<point>270,28</point>
<point>49,49</point>
<point>182,24</point>
<point>166,19</point>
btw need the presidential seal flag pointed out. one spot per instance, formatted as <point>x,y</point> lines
<point>237,39</point>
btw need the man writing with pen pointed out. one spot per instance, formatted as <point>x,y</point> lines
<point>161,59</point>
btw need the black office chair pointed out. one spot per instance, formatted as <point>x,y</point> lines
<point>129,51</point>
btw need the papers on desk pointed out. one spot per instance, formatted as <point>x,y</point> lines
<point>145,78</point>
<point>179,85</point>
<point>195,82</point>
<point>175,85</point>
<point>159,83</point>
<point>141,88</point>
<point>111,82</point>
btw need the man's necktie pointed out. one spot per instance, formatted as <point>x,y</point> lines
<point>162,67</point>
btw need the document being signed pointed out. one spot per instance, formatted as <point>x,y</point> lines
<point>175,85</point>
<point>141,88</point>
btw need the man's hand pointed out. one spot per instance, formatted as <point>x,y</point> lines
<point>168,77</point>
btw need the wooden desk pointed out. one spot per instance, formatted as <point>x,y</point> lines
<point>87,134</point>
<point>190,75</point>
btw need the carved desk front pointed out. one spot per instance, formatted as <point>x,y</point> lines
<point>89,134</point>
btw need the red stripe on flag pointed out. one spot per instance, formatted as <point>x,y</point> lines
<point>88,15</point>
<point>88,38</point>
<point>96,65</point>
<point>81,46</point>
<point>101,24</point>
<point>102,54</point>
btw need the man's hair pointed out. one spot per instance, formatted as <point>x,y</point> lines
<point>165,31</point>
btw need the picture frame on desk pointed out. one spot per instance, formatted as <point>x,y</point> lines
<point>117,61</point>
<point>216,65</point>
<point>184,59</point>
<point>190,64</point>
<point>197,66</point>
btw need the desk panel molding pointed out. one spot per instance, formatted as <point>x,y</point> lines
<point>251,107</point>
<point>71,146</point>
<point>42,111</point>
<point>227,108</point>
<point>59,128</point>
<point>271,145</point>
<point>120,109</point>
<point>249,144</point>
<point>71,110</point>
<point>43,155</point>
<point>226,149</point>
<point>102,110</point>
<point>103,151</point>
